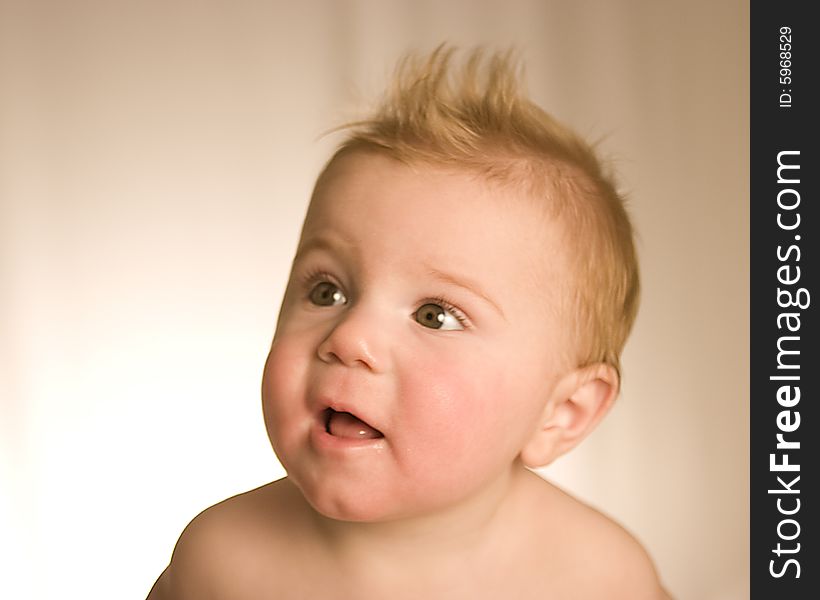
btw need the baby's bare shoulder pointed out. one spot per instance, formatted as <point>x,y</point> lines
<point>229,546</point>
<point>598,555</point>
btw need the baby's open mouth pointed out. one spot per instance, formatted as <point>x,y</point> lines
<point>347,425</point>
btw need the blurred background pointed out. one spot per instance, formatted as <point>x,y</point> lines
<point>156,159</point>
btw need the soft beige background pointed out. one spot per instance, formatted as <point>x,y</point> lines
<point>155,162</point>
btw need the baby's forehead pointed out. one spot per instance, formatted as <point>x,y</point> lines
<point>459,217</point>
<point>507,184</point>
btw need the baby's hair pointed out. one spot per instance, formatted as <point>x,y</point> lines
<point>477,117</point>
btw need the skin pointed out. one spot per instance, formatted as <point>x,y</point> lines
<point>441,503</point>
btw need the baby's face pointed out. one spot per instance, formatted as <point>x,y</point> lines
<point>417,345</point>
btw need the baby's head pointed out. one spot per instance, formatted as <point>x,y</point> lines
<point>462,290</point>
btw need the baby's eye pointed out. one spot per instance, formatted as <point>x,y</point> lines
<point>436,317</point>
<point>325,293</point>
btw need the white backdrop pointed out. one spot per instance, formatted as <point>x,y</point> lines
<point>155,162</point>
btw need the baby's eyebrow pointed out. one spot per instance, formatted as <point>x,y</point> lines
<point>321,243</point>
<point>466,284</point>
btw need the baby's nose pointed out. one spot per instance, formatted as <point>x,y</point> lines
<point>355,340</point>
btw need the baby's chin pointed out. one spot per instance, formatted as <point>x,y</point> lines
<point>350,505</point>
<point>360,503</point>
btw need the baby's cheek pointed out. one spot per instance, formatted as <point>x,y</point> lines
<point>451,411</point>
<point>282,386</point>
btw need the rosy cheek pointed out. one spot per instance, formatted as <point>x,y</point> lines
<point>282,389</point>
<point>450,408</point>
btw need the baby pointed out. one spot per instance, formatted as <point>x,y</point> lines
<point>462,289</point>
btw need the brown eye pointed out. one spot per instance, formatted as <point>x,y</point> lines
<point>326,294</point>
<point>435,317</point>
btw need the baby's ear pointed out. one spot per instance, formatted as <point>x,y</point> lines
<point>577,403</point>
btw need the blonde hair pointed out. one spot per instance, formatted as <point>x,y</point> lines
<point>477,117</point>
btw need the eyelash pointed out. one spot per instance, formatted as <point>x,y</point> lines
<point>311,278</point>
